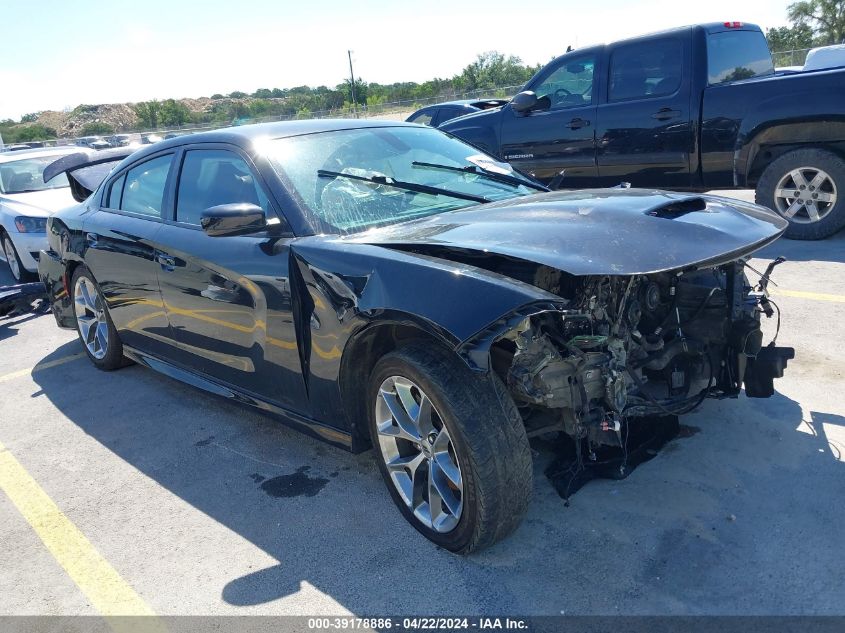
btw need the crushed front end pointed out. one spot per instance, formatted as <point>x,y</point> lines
<point>622,349</point>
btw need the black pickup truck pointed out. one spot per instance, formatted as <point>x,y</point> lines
<point>693,108</point>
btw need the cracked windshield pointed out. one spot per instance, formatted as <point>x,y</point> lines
<point>353,180</point>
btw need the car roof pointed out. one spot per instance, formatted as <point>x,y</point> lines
<point>283,129</point>
<point>244,134</point>
<point>23,154</point>
<point>462,102</point>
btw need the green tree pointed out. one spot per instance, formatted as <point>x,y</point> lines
<point>147,112</point>
<point>34,132</point>
<point>493,70</point>
<point>361,91</point>
<point>216,96</point>
<point>32,117</point>
<point>173,112</point>
<point>825,17</point>
<point>238,110</point>
<point>96,128</point>
<point>789,38</point>
<point>237,95</point>
<point>258,107</point>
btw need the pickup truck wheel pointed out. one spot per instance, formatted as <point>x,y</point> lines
<point>93,322</point>
<point>451,447</point>
<point>807,187</point>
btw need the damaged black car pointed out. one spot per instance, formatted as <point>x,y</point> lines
<point>386,285</point>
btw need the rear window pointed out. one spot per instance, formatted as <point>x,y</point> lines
<point>735,55</point>
<point>24,176</point>
<point>423,118</point>
<point>646,69</point>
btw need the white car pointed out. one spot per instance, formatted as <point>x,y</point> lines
<point>25,203</point>
<point>825,57</point>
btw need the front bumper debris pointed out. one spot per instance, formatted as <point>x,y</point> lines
<point>20,298</point>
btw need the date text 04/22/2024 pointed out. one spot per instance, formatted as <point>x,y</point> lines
<point>416,624</point>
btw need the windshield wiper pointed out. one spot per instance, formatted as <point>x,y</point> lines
<point>399,184</point>
<point>484,173</point>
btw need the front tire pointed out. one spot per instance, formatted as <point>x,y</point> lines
<point>93,323</point>
<point>806,187</point>
<point>451,447</point>
<point>19,273</point>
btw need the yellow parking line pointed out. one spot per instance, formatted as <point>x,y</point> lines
<point>108,592</point>
<point>45,365</point>
<point>803,294</point>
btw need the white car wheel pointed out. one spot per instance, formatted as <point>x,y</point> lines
<point>12,259</point>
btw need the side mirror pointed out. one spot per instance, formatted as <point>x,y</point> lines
<point>240,218</point>
<point>524,102</point>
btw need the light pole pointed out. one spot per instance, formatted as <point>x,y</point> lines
<point>352,85</point>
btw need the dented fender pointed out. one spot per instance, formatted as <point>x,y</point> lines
<point>347,294</point>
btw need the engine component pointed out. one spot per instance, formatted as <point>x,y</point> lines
<point>764,368</point>
<point>634,346</point>
<point>651,297</point>
<point>540,375</point>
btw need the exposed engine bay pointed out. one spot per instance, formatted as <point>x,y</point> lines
<point>633,347</point>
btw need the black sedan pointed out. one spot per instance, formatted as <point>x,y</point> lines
<point>434,115</point>
<point>383,284</point>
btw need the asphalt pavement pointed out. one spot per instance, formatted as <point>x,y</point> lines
<point>182,503</point>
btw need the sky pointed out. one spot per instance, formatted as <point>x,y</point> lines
<point>56,54</point>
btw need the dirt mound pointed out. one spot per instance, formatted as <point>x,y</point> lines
<point>52,119</point>
<point>118,116</point>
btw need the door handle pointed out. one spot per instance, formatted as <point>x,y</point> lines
<point>664,114</point>
<point>167,262</point>
<point>578,123</point>
<point>91,239</point>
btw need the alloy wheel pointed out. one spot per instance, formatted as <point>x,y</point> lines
<point>805,195</point>
<point>418,453</point>
<point>11,257</point>
<point>91,317</point>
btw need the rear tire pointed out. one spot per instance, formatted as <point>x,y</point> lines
<point>487,453</point>
<point>817,176</point>
<point>93,322</point>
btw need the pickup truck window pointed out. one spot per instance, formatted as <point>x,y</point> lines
<point>645,69</point>
<point>423,118</point>
<point>568,85</point>
<point>735,55</point>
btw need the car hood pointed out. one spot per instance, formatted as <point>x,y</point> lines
<point>594,232</point>
<point>458,121</point>
<point>37,203</point>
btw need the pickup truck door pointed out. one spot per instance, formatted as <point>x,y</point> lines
<point>559,134</point>
<point>645,135</point>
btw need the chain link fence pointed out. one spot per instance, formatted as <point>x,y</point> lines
<point>795,57</point>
